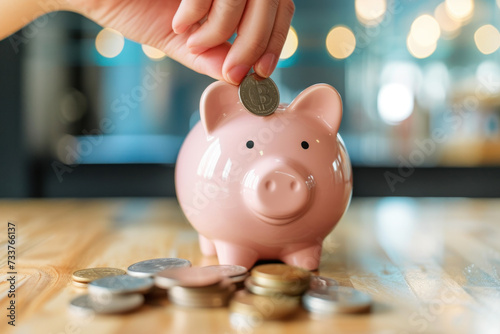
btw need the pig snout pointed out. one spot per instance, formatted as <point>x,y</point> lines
<point>277,192</point>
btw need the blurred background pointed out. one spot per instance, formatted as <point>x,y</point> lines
<point>85,112</point>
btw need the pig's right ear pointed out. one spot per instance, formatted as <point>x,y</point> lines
<point>218,102</point>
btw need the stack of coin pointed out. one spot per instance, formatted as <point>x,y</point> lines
<point>236,274</point>
<point>195,286</point>
<point>112,294</point>
<point>276,279</point>
<point>254,308</point>
<point>82,277</point>
<point>336,299</point>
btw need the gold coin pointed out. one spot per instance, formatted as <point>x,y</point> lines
<point>263,290</point>
<point>80,285</point>
<point>249,304</point>
<point>280,272</point>
<point>91,274</point>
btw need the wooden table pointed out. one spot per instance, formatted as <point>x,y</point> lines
<point>431,265</point>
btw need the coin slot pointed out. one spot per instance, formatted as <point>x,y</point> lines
<point>305,145</point>
<point>294,185</point>
<point>250,144</point>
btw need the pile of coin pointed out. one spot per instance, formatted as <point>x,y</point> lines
<point>273,291</point>
<point>258,95</point>
<point>112,294</point>
<point>272,279</point>
<point>210,286</point>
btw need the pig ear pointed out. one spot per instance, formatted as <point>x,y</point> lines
<point>218,102</point>
<point>321,102</point>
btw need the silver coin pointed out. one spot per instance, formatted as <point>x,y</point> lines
<point>321,283</point>
<point>336,299</point>
<point>227,270</point>
<point>120,285</point>
<point>149,268</point>
<point>86,304</point>
<point>258,95</point>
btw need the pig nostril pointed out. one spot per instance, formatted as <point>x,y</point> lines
<point>270,185</point>
<point>294,185</point>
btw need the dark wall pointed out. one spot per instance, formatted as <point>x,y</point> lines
<point>14,175</point>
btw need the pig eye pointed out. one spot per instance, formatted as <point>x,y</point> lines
<point>250,144</point>
<point>305,145</point>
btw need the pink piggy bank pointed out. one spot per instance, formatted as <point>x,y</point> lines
<point>265,187</point>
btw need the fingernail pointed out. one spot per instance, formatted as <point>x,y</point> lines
<point>198,49</point>
<point>267,64</point>
<point>237,73</point>
<point>180,29</point>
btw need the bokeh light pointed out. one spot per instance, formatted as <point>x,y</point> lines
<point>153,53</point>
<point>425,30</point>
<point>291,44</point>
<point>340,42</point>
<point>417,50</point>
<point>395,103</point>
<point>487,39</point>
<point>460,9</point>
<point>370,12</point>
<point>109,42</point>
<point>447,23</point>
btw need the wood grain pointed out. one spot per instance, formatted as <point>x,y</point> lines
<point>431,265</point>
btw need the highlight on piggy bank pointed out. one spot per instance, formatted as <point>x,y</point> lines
<point>269,187</point>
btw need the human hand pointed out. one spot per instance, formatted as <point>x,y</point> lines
<point>174,27</point>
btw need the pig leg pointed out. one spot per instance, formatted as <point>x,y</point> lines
<point>206,246</point>
<point>229,253</point>
<point>307,258</point>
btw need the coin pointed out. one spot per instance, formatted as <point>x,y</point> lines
<point>212,296</point>
<point>86,304</point>
<point>280,275</point>
<point>80,285</point>
<point>336,299</point>
<point>227,270</point>
<point>120,285</point>
<point>149,268</point>
<point>90,274</point>
<point>249,304</point>
<point>260,96</point>
<point>258,289</point>
<point>321,282</point>
<point>186,277</point>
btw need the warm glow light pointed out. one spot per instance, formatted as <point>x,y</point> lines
<point>340,42</point>
<point>370,12</point>
<point>395,103</point>
<point>152,52</point>
<point>425,30</point>
<point>417,50</point>
<point>447,23</point>
<point>498,3</point>
<point>487,39</point>
<point>291,44</point>
<point>109,42</point>
<point>460,9</point>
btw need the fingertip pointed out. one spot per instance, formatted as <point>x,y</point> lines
<point>236,74</point>
<point>266,65</point>
<point>180,28</point>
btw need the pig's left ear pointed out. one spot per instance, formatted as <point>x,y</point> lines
<point>218,102</point>
<point>322,102</point>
